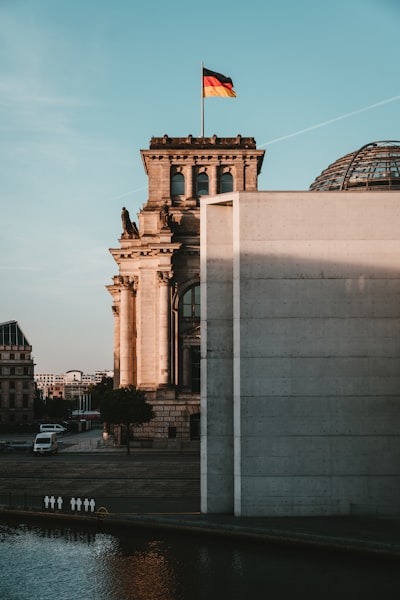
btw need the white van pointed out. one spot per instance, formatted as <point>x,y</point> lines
<point>45,443</point>
<point>52,427</point>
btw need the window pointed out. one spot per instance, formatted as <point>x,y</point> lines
<point>177,185</point>
<point>189,339</point>
<point>191,303</point>
<point>226,183</point>
<point>195,365</point>
<point>202,184</point>
<point>172,433</point>
<point>195,426</point>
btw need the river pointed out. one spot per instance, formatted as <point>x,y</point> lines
<point>70,563</point>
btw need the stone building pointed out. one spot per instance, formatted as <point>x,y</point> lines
<point>156,294</point>
<point>300,296</point>
<point>16,376</point>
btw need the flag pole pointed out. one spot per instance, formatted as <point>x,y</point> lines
<point>202,102</point>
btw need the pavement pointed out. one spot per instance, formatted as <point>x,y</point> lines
<point>362,535</point>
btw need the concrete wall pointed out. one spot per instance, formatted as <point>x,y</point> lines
<point>312,336</point>
<point>216,407</point>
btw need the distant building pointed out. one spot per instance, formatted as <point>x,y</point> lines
<point>17,389</point>
<point>69,385</point>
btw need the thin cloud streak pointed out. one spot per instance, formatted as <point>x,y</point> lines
<point>128,193</point>
<point>346,116</point>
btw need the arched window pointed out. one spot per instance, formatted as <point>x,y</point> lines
<point>177,185</point>
<point>202,184</point>
<point>191,303</point>
<point>189,339</point>
<point>226,183</point>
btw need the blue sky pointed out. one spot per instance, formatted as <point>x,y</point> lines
<point>85,85</point>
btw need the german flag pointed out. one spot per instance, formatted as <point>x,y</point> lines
<point>215,84</point>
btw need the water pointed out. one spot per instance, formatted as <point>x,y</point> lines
<point>39,563</point>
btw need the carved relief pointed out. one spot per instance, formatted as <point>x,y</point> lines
<point>128,283</point>
<point>164,276</point>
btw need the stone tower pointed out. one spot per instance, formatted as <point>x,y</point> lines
<point>157,291</point>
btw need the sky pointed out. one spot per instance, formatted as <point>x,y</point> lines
<point>85,85</point>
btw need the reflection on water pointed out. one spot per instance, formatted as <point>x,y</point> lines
<point>40,563</point>
<point>145,574</point>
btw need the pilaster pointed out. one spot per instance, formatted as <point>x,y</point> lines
<point>126,331</point>
<point>164,310</point>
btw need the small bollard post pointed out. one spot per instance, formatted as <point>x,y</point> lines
<point>46,501</point>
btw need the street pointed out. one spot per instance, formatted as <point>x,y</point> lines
<point>72,447</point>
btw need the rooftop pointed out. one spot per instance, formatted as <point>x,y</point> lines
<point>202,142</point>
<point>375,166</point>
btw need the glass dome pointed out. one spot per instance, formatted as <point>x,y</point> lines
<point>375,166</point>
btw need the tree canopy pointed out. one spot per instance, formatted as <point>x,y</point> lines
<point>127,406</point>
<point>99,390</point>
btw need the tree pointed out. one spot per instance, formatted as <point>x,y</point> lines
<point>99,390</point>
<point>56,408</point>
<point>126,406</point>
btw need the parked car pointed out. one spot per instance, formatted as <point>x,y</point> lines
<point>45,443</point>
<point>52,427</point>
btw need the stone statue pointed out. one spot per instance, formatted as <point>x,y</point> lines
<point>129,228</point>
<point>166,217</point>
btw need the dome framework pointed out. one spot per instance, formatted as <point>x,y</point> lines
<point>375,166</point>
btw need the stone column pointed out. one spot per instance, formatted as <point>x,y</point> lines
<point>189,193</point>
<point>213,180</point>
<point>164,278</point>
<point>117,339</point>
<point>126,332</point>
<point>240,179</point>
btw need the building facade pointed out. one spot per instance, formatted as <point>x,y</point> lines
<point>70,385</point>
<point>301,345</point>
<point>17,389</point>
<point>156,294</point>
